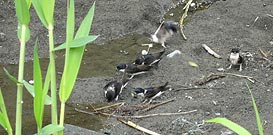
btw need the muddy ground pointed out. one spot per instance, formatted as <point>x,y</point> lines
<point>223,26</point>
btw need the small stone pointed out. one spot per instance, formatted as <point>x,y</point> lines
<point>171,14</point>
<point>217,114</point>
<point>221,69</point>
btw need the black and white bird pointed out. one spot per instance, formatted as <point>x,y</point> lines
<point>113,89</point>
<point>164,32</point>
<point>150,93</point>
<point>235,59</point>
<point>151,59</point>
<point>133,69</point>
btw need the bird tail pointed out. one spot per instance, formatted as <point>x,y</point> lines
<point>164,87</point>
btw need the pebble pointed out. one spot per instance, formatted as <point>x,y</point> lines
<point>174,53</point>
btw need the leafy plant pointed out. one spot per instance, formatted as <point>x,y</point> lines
<point>74,53</point>
<point>237,128</point>
<point>45,11</point>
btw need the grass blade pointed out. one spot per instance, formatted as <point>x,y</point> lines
<point>259,123</point>
<point>22,11</point>
<point>39,11</point>
<point>50,129</point>
<point>38,89</point>
<point>4,116</point>
<point>48,10</point>
<point>231,125</point>
<point>30,90</point>
<point>12,78</point>
<point>79,42</point>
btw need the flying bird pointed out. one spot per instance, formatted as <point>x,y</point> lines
<point>235,58</point>
<point>164,32</point>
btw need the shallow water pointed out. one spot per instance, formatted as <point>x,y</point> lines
<point>98,60</point>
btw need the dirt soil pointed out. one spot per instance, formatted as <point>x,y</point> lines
<point>223,26</point>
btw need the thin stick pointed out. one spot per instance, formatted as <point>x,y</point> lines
<point>158,104</point>
<point>263,53</point>
<point>136,117</point>
<point>133,125</point>
<point>108,106</point>
<point>185,14</point>
<point>251,79</point>
<point>269,15</point>
<point>195,88</point>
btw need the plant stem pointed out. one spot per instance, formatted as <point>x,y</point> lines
<point>19,100</point>
<point>54,115</point>
<point>62,116</point>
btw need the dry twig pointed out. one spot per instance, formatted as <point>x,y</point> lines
<point>211,52</point>
<point>196,88</point>
<point>108,106</point>
<point>158,104</point>
<point>251,79</point>
<point>185,14</point>
<point>131,124</point>
<point>265,55</point>
<point>136,117</point>
<point>210,78</point>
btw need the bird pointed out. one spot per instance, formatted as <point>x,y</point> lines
<point>163,32</point>
<point>113,89</point>
<point>147,58</point>
<point>235,58</point>
<point>133,69</point>
<point>150,93</point>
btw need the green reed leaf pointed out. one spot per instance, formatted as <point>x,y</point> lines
<point>258,120</point>
<point>51,128</point>
<point>75,58</point>
<point>12,78</point>
<point>4,119</point>
<point>79,42</point>
<point>30,89</point>
<point>38,88</point>
<point>48,10</point>
<point>40,12</point>
<point>231,125</point>
<point>22,11</point>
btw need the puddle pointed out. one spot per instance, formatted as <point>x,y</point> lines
<point>98,60</point>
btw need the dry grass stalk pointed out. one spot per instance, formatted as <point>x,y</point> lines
<point>211,52</point>
<point>185,14</point>
<point>136,117</point>
<point>158,104</point>
<point>108,106</point>
<point>131,124</point>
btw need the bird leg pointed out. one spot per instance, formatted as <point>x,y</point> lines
<point>241,65</point>
<point>229,66</point>
<point>163,44</point>
<point>116,98</point>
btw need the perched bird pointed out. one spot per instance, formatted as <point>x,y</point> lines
<point>235,58</point>
<point>133,69</point>
<point>151,92</point>
<point>113,89</point>
<point>164,32</point>
<point>149,58</point>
